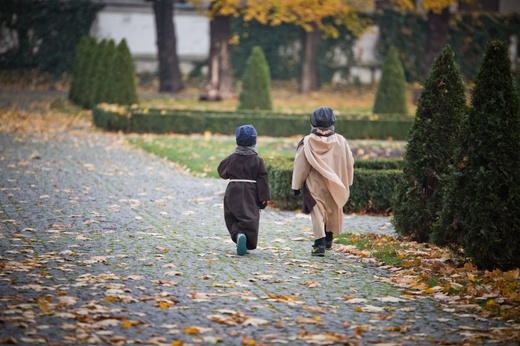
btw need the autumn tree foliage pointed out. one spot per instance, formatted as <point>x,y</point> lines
<point>432,141</point>
<point>482,201</point>
<point>256,83</point>
<point>391,91</point>
<point>316,17</point>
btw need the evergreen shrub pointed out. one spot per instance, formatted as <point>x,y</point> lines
<point>123,83</point>
<point>371,192</point>
<point>432,140</point>
<point>82,51</point>
<point>256,83</point>
<point>481,211</point>
<point>93,78</point>
<point>391,91</point>
<point>85,88</point>
<point>103,73</point>
<point>103,78</point>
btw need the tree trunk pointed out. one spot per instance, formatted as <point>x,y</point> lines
<point>219,84</point>
<point>170,78</point>
<point>436,36</point>
<point>309,73</point>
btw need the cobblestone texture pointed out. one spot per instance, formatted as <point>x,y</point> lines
<point>85,216</point>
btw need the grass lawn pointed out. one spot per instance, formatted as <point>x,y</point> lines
<point>286,99</point>
<point>201,154</point>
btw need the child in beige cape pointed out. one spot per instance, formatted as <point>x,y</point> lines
<point>324,169</point>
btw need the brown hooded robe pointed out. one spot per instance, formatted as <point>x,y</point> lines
<point>242,199</point>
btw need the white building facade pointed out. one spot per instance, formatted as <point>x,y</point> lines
<point>134,21</point>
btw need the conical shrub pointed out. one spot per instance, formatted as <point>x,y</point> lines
<point>78,67</point>
<point>481,211</point>
<point>78,92</point>
<point>432,141</point>
<point>256,83</point>
<point>124,89</point>
<point>103,73</point>
<point>94,74</point>
<point>391,91</point>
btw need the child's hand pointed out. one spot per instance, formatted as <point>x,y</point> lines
<point>263,204</point>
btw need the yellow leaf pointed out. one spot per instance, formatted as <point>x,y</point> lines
<point>429,291</point>
<point>110,299</point>
<point>247,341</point>
<point>163,305</point>
<point>44,305</point>
<point>191,330</point>
<point>491,302</point>
<point>177,343</point>
<point>129,323</point>
<point>512,275</point>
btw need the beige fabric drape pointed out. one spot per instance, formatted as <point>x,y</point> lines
<point>326,166</point>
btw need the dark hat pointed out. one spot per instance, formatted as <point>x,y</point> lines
<point>323,117</point>
<point>246,135</point>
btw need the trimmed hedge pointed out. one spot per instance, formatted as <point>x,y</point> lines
<point>371,192</point>
<point>115,118</point>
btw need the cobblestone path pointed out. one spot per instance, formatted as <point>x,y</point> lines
<point>104,244</point>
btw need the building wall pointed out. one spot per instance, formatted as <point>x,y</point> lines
<point>135,22</point>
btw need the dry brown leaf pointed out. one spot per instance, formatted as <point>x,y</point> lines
<point>307,320</point>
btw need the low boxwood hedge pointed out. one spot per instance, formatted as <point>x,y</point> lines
<point>374,183</point>
<point>137,120</point>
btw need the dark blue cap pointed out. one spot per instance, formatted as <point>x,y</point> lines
<point>246,135</point>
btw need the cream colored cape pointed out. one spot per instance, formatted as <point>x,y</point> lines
<point>326,165</point>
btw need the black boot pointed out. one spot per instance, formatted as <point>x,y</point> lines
<point>318,249</point>
<point>329,237</point>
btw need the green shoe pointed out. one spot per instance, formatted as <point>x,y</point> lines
<point>241,244</point>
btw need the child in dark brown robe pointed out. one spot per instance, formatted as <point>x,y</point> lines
<point>247,191</point>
